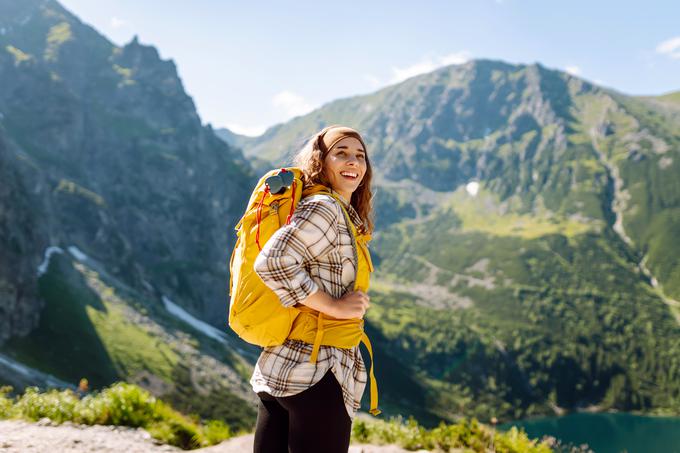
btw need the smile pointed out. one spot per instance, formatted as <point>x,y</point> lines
<point>349,174</point>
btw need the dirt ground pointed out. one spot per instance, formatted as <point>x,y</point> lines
<point>46,437</point>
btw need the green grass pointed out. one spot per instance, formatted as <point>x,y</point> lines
<point>568,322</point>
<point>664,249</point>
<point>483,213</point>
<point>125,73</point>
<point>71,187</point>
<point>121,404</point>
<point>57,36</point>
<point>66,343</point>
<point>91,327</point>
<point>19,56</point>
<point>671,97</point>
<point>132,348</point>
<point>650,214</point>
<point>85,331</point>
<point>469,435</point>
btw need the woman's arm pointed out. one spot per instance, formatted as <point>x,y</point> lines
<point>312,233</point>
<point>352,305</point>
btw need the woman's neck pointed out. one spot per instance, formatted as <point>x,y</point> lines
<point>344,199</point>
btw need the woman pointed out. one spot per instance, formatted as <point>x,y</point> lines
<point>309,407</point>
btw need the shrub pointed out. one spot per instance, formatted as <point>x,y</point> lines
<point>5,402</point>
<point>467,434</point>
<point>215,431</point>
<point>120,404</point>
<point>56,405</point>
<point>517,441</point>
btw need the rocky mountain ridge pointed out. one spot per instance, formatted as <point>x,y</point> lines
<point>114,152</point>
<point>525,252</point>
<point>556,200</point>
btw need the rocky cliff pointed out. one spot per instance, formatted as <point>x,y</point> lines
<point>113,152</point>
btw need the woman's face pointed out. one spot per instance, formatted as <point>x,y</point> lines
<point>345,166</point>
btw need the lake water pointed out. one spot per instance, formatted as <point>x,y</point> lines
<point>609,433</point>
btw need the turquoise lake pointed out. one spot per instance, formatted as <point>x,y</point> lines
<point>609,433</point>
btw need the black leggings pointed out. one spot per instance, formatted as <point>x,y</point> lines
<point>312,421</point>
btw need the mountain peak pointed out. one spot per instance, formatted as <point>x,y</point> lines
<point>146,52</point>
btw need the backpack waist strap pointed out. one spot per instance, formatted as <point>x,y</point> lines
<point>314,327</point>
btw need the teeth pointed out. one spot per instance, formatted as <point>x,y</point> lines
<point>345,173</point>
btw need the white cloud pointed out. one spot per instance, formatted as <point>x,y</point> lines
<point>251,131</point>
<point>573,70</point>
<point>292,104</point>
<point>455,58</point>
<point>117,23</point>
<point>428,64</point>
<point>670,47</point>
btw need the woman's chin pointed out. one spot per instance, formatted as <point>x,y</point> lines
<point>351,188</point>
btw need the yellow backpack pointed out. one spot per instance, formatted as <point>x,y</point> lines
<point>255,312</point>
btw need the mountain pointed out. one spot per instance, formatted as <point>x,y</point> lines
<point>526,260</point>
<point>525,249</point>
<point>116,155</point>
<point>232,138</point>
<point>117,209</point>
<point>19,231</point>
<point>673,97</point>
<point>259,165</point>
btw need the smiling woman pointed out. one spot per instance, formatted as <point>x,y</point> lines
<point>329,153</point>
<point>309,394</point>
<point>345,166</point>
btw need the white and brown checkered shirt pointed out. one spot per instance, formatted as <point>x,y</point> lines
<point>314,251</point>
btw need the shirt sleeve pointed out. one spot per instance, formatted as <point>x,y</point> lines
<point>311,233</point>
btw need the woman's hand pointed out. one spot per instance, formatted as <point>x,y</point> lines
<point>352,305</point>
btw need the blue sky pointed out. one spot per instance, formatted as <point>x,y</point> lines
<point>249,65</point>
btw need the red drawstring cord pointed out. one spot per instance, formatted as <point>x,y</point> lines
<point>292,204</point>
<point>259,217</point>
<point>259,210</point>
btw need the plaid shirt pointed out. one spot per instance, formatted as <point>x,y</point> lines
<point>315,251</point>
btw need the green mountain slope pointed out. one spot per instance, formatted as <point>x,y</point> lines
<point>524,238</point>
<point>96,327</point>
<point>525,252</point>
<point>119,160</point>
<point>102,152</point>
<point>673,97</point>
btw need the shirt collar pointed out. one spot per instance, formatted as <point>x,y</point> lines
<point>356,219</point>
<point>343,199</point>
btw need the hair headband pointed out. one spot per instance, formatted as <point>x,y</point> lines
<point>333,134</point>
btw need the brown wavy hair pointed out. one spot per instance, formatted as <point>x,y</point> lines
<point>310,159</point>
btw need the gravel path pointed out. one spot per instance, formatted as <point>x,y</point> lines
<point>45,437</point>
